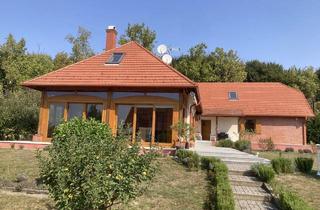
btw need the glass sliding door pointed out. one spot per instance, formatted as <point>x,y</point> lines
<point>75,110</point>
<point>163,130</point>
<point>144,123</point>
<point>125,117</point>
<point>56,111</point>
<point>94,111</point>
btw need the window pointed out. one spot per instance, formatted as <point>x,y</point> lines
<point>163,131</point>
<point>64,93</point>
<point>144,123</point>
<point>75,110</point>
<point>125,117</point>
<point>55,117</point>
<point>233,95</point>
<point>94,111</point>
<point>250,125</point>
<point>115,58</point>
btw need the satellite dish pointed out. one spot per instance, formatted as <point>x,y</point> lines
<point>162,49</point>
<point>167,59</point>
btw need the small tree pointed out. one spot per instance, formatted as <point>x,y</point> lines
<point>89,168</point>
<point>185,131</point>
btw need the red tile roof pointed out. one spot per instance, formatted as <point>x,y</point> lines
<point>254,99</point>
<point>138,68</point>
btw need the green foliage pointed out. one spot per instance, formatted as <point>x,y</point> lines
<point>80,45</point>
<point>290,201</point>
<point>19,115</point>
<point>207,163</point>
<point>313,127</point>
<point>139,33</point>
<point>282,165</point>
<point>222,192</point>
<point>217,66</point>
<point>61,60</point>
<point>264,172</point>
<point>243,145</point>
<point>258,71</point>
<point>225,143</point>
<point>266,144</point>
<point>304,164</point>
<point>89,168</point>
<point>188,158</point>
<point>184,130</point>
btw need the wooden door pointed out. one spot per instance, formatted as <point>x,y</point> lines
<point>205,129</point>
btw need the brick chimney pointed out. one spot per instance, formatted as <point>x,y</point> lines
<point>111,38</point>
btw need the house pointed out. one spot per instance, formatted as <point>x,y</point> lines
<point>130,85</point>
<point>255,111</point>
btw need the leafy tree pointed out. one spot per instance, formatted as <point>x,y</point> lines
<point>89,168</point>
<point>61,60</point>
<point>264,72</point>
<point>139,33</point>
<point>217,66</point>
<point>313,128</point>
<point>19,115</point>
<point>303,79</point>
<point>81,48</point>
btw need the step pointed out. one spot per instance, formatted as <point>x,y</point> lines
<point>250,193</point>
<point>251,204</point>
<point>241,180</point>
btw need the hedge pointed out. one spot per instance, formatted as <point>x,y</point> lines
<point>290,201</point>
<point>264,172</point>
<point>282,165</point>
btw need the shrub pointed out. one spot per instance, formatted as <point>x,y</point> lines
<point>183,154</point>
<point>19,115</point>
<point>289,149</point>
<point>188,158</point>
<point>243,145</point>
<point>12,146</point>
<point>304,164</point>
<point>87,167</point>
<point>264,172</point>
<point>307,151</point>
<point>290,201</point>
<point>282,165</point>
<point>21,146</point>
<point>300,150</point>
<point>225,143</point>
<point>193,162</point>
<point>222,135</point>
<point>266,144</point>
<point>207,163</point>
<point>222,192</point>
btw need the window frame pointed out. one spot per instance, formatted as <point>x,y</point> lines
<point>110,60</point>
<point>233,98</point>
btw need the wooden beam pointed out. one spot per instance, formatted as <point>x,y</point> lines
<point>134,124</point>
<point>153,127</point>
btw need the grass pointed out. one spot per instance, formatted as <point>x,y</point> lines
<point>174,187</point>
<point>306,186</point>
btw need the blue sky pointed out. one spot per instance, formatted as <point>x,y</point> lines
<point>282,31</point>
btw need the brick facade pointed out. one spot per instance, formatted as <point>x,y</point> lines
<point>284,132</point>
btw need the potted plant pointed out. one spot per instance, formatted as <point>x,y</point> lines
<point>184,130</point>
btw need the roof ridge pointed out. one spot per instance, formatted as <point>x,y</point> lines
<point>173,69</point>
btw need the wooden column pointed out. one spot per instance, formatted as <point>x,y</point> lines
<point>153,126</point>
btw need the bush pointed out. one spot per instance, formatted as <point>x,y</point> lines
<point>264,172</point>
<point>243,145</point>
<point>193,162</point>
<point>282,165</point>
<point>207,163</point>
<point>225,143</point>
<point>290,201</point>
<point>19,115</point>
<point>266,144</point>
<point>222,194</point>
<point>289,149</point>
<point>304,164</point>
<point>183,154</point>
<point>300,151</point>
<point>87,167</point>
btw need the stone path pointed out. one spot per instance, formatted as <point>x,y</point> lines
<point>247,189</point>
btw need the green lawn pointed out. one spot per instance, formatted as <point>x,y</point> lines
<point>174,187</point>
<point>306,186</point>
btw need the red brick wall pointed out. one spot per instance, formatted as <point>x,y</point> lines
<point>284,132</point>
